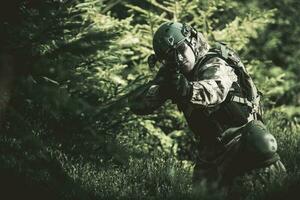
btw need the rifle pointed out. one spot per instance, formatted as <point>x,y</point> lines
<point>169,69</point>
<point>171,66</point>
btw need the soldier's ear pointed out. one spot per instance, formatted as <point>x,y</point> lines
<point>152,59</point>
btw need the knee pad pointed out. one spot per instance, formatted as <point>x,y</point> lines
<point>258,143</point>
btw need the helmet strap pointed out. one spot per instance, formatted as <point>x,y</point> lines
<point>193,46</point>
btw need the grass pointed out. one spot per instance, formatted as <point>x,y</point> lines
<point>33,168</point>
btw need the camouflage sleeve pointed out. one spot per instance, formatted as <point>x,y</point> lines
<point>215,80</point>
<point>148,99</point>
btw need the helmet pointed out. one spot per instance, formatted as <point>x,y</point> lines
<point>171,34</point>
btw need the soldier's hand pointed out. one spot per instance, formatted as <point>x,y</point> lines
<point>163,79</point>
<point>180,86</point>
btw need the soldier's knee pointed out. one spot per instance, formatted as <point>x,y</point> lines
<point>258,143</point>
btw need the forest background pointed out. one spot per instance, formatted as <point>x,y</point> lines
<point>68,67</point>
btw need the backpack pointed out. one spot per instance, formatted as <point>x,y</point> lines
<point>250,95</point>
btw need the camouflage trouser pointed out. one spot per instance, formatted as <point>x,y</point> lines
<point>256,182</point>
<point>242,186</point>
<point>239,167</point>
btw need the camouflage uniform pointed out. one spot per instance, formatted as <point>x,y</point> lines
<point>233,139</point>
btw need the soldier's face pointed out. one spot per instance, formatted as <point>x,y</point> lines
<point>186,58</point>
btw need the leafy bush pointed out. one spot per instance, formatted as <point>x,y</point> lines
<point>68,68</point>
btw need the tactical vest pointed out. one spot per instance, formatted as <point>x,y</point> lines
<point>246,93</point>
<point>242,103</point>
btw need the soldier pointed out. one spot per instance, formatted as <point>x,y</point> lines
<point>220,103</point>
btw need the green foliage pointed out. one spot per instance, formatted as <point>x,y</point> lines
<point>82,69</point>
<point>68,132</point>
<point>272,80</point>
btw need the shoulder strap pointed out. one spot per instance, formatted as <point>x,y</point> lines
<point>251,96</point>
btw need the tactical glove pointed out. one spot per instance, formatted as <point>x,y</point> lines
<point>180,87</point>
